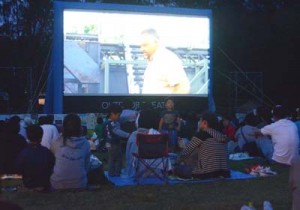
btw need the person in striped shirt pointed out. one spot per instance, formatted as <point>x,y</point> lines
<point>206,155</point>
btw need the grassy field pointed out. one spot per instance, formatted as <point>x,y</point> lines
<point>220,195</point>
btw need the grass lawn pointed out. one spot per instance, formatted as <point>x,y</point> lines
<point>220,195</point>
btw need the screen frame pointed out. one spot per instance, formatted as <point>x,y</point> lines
<point>55,86</point>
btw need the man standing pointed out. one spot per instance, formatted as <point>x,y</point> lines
<point>164,73</point>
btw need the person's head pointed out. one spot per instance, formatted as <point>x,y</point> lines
<point>208,120</point>
<point>114,111</point>
<point>27,121</point>
<point>15,118</point>
<point>99,120</point>
<point>226,120</point>
<point>49,119</point>
<point>148,119</point>
<point>12,126</point>
<point>42,120</point>
<point>149,42</point>
<point>71,126</point>
<point>84,130</point>
<point>34,133</point>
<point>251,119</point>
<point>279,112</point>
<point>169,103</point>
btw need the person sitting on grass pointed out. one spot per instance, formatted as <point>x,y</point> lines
<point>264,143</point>
<point>284,136</point>
<point>72,154</point>
<point>11,144</point>
<point>147,123</point>
<point>128,116</point>
<point>35,162</point>
<point>245,138</point>
<point>50,131</point>
<point>210,148</point>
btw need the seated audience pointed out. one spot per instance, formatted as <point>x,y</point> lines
<point>189,125</point>
<point>147,122</point>
<point>72,156</point>
<point>284,136</point>
<point>264,143</point>
<point>99,131</point>
<point>11,144</point>
<point>229,131</point>
<point>228,127</point>
<point>35,162</point>
<point>245,138</point>
<point>50,132</point>
<point>211,150</point>
<point>18,120</point>
<point>128,117</point>
<point>23,125</point>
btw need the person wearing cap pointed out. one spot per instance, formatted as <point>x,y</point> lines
<point>284,135</point>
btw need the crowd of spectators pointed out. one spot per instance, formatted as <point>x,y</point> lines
<point>55,158</point>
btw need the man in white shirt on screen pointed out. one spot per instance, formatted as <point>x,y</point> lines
<point>164,73</point>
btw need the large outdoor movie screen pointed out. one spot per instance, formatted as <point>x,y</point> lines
<point>110,52</point>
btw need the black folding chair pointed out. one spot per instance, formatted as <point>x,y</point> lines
<point>152,156</point>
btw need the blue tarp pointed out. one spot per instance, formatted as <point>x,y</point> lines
<point>123,180</point>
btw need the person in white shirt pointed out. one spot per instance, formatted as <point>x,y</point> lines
<point>284,135</point>
<point>50,132</point>
<point>164,73</point>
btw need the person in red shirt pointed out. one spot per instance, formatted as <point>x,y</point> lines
<point>229,131</point>
<point>228,128</point>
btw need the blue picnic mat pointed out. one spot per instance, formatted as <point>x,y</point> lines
<point>124,180</point>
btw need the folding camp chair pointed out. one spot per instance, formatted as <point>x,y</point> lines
<point>152,156</point>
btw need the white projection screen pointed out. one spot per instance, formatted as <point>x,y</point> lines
<point>102,52</point>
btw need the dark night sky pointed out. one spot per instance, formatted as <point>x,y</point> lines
<point>259,42</point>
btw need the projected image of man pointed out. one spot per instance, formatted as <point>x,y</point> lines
<point>164,73</point>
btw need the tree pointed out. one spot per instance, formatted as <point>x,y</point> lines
<point>27,24</point>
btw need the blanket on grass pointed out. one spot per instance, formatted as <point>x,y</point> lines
<point>124,180</point>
